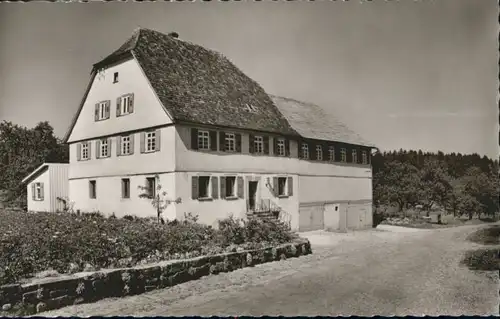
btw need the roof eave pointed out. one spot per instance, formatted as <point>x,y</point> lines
<point>35,172</point>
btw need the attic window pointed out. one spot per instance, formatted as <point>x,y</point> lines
<point>115,77</point>
<point>251,108</point>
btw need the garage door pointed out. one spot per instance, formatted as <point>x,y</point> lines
<point>311,217</point>
<point>332,216</point>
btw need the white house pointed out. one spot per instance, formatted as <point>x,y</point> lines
<point>163,106</point>
<point>45,185</point>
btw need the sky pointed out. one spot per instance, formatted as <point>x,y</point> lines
<point>403,74</point>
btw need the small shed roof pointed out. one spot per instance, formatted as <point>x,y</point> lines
<point>39,169</point>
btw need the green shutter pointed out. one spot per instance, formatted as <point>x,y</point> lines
<point>194,187</point>
<point>266,144</point>
<point>143,142</point>
<point>158,140</point>
<point>290,185</point>
<point>215,187</point>
<point>213,140</point>
<point>41,192</point>
<point>131,143</point>
<point>239,181</point>
<point>222,141</point>
<point>96,113</point>
<point>275,186</point>
<point>194,138</point>
<point>222,187</point>
<point>131,103</point>
<point>238,142</point>
<point>118,106</point>
<point>118,145</point>
<point>78,151</point>
<point>251,144</point>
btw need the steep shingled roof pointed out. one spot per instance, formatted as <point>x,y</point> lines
<point>311,121</point>
<point>199,85</point>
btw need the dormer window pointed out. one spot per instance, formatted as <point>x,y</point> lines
<point>115,77</point>
<point>305,151</point>
<point>319,152</point>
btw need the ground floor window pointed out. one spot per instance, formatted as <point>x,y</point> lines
<point>150,187</point>
<point>125,188</point>
<point>203,186</point>
<point>37,189</point>
<point>281,186</point>
<point>230,186</point>
<point>92,189</point>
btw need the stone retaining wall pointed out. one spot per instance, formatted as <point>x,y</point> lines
<point>57,293</point>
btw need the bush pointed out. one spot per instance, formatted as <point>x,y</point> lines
<point>35,242</point>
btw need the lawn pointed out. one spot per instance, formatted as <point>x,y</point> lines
<point>31,243</point>
<point>484,258</point>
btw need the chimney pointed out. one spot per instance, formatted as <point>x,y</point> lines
<point>174,35</point>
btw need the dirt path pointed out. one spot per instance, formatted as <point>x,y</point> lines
<point>365,273</point>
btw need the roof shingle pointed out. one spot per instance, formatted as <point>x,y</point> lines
<point>311,121</point>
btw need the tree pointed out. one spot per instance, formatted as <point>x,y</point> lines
<point>160,202</point>
<point>21,151</point>
<point>435,184</point>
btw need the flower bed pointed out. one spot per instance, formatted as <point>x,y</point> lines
<point>31,243</point>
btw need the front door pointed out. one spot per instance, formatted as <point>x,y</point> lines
<point>252,194</point>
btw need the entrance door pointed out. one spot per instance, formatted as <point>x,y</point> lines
<point>252,194</point>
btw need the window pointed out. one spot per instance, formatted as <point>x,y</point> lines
<point>84,151</point>
<point>258,143</point>
<point>38,191</point>
<point>203,186</point>
<point>343,155</point>
<point>92,189</point>
<point>230,142</point>
<point>102,111</point>
<point>125,188</point>
<point>115,77</point>
<point>280,147</point>
<point>354,156</point>
<point>230,186</point>
<point>331,153</point>
<point>125,145</point>
<point>305,151</point>
<point>150,187</point>
<point>126,102</point>
<point>103,152</point>
<point>364,157</point>
<point>319,152</point>
<point>281,186</point>
<point>150,141</point>
<point>203,140</point>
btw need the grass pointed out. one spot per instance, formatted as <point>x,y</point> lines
<point>63,243</point>
<point>484,258</point>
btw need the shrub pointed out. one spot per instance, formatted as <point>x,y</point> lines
<point>67,242</point>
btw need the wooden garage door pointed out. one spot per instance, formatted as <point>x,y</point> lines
<point>311,217</point>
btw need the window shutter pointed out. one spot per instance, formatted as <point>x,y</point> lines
<point>275,146</point>
<point>89,147</point>
<point>143,142</point>
<point>118,146</point>
<point>33,191</point>
<point>96,113</point>
<point>97,147</point>
<point>78,151</point>
<point>222,187</point>
<point>41,191</point>
<point>110,141</point>
<point>123,188</point>
<point>290,186</point>
<point>131,136</point>
<point>158,140</point>
<point>215,187</point>
<point>238,142</point>
<point>213,140</point>
<point>194,138</point>
<point>240,186</point>
<point>118,106</point>
<point>275,186</point>
<point>266,144</point>
<point>90,189</point>
<point>312,151</point>
<point>106,109</point>
<point>287,147</point>
<point>194,187</point>
<point>222,141</point>
<point>326,152</point>
<point>360,156</point>
<point>348,155</point>
<point>131,103</point>
<point>337,153</point>
<point>251,143</point>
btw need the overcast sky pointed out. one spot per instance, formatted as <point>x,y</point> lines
<point>406,74</point>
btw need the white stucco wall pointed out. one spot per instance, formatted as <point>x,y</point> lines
<point>148,110</point>
<point>109,198</point>
<point>40,205</point>
<point>334,187</point>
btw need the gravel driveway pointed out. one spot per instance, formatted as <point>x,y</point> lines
<point>361,273</point>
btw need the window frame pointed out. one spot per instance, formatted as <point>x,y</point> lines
<point>304,151</point>
<point>234,191</point>
<point>354,156</point>
<point>150,140</point>
<point>203,136</point>
<point>124,142</point>
<point>281,146</point>
<point>38,191</point>
<point>208,187</point>
<point>319,152</point>
<point>151,191</point>
<point>84,149</point>
<point>364,157</point>
<point>285,186</point>
<point>258,143</point>
<point>101,115</point>
<point>104,145</point>
<point>93,189</point>
<point>331,153</point>
<point>125,107</point>
<point>125,188</point>
<point>228,139</point>
<point>343,155</point>
<point>115,77</point>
